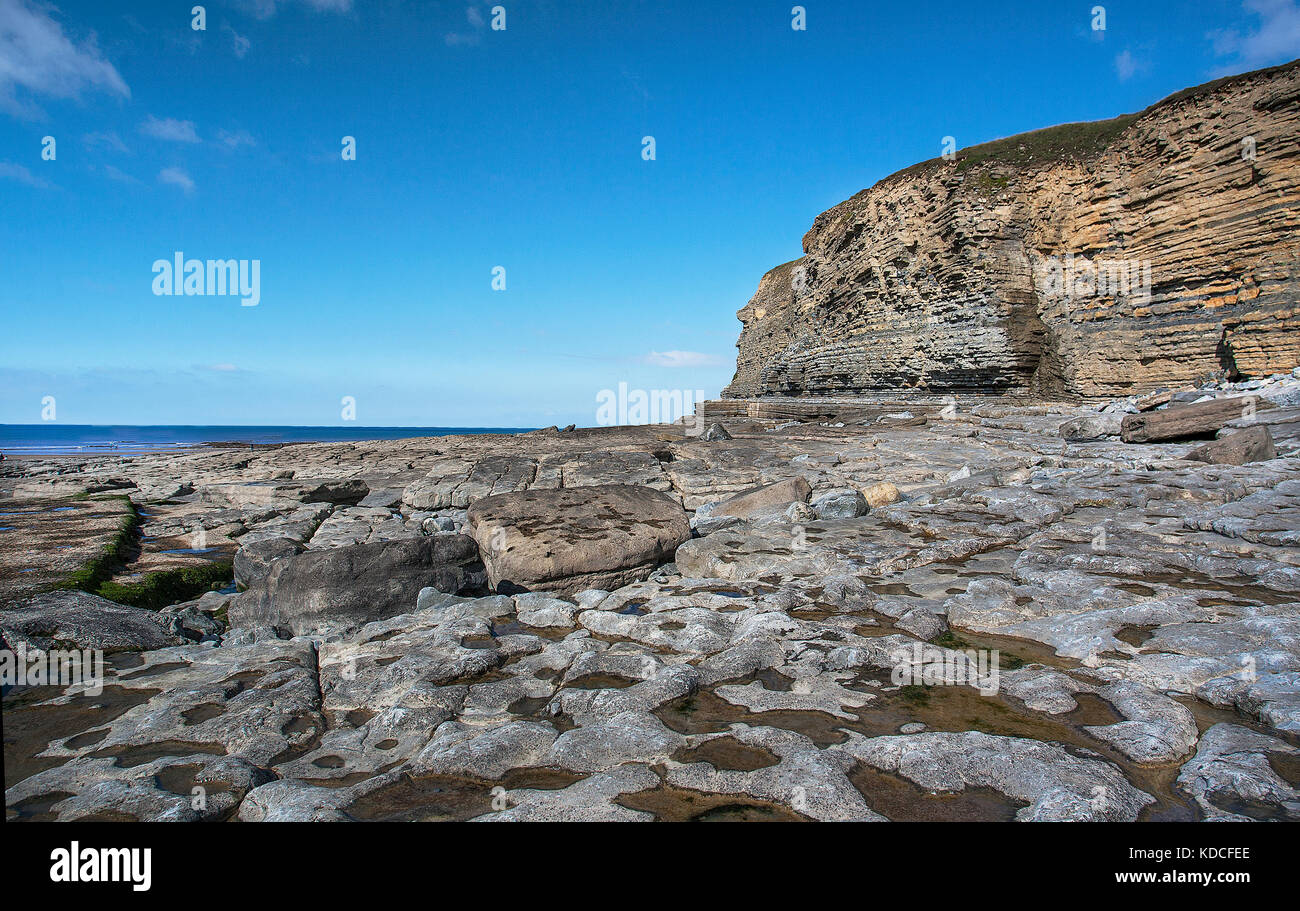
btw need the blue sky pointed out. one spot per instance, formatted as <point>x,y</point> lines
<point>478,148</point>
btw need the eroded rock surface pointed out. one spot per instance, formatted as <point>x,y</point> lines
<point>827,655</point>
<point>940,277</point>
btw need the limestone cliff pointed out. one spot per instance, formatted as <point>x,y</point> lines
<point>1023,264</point>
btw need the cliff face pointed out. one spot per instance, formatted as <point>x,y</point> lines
<point>1024,264</point>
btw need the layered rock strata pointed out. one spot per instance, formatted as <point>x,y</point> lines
<point>1087,259</point>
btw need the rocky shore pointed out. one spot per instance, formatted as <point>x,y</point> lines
<point>866,608</point>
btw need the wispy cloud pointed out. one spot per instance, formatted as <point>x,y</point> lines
<point>38,58</point>
<point>265,9</point>
<point>236,138</point>
<point>170,130</point>
<point>1127,66</point>
<point>108,140</point>
<point>117,174</point>
<point>239,42</point>
<point>471,36</point>
<point>1275,40</point>
<point>682,359</point>
<point>219,368</point>
<point>177,178</point>
<point>11,171</point>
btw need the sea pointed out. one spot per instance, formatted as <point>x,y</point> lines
<point>121,439</point>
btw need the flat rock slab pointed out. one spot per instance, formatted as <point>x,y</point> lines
<point>74,619</point>
<point>44,542</point>
<point>570,539</point>
<point>255,493</point>
<point>348,586</point>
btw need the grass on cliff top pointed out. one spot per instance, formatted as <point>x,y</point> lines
<point>1069,140</point>
<point>783,271</point>
<point>1076,141</point>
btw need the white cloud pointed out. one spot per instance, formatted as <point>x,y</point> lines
<point>234,140</point>
<point>265,9</point>
<point>119,175</point>
<point>176,177</point>
<point>17,172</point>
<point>1126,65</point>
<point>682,359</point>
<point>221,368</point>
<point>37,57</point>
<point>471,37</point>
<point>241,44</point>
<point>169,129</point>
<point>1276,40</point>
<point>107,140</point>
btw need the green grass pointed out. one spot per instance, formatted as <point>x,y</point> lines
<point>101,568</point>
<point>1006,660</point>
<point>156,590</point>
<point>170,586</point>
<point>915,693</point>
<point>1068,141</point>
<point>950,640</point>
<point>1077,141</point>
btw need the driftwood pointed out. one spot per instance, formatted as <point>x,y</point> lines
<point>1186,421</point>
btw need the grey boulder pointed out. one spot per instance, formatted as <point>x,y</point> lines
<point>75,619</point>
<point>569,539</point>
<point>344,587</point>
<point>771,498</point>
<point>1254,444</point>
<point>1091,428</point>
<point>253,561</point>
<point>840,503</point>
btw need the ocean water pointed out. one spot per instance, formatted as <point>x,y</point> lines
<point>94,439</point>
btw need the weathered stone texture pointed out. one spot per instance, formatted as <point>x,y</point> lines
<point>935,278</point>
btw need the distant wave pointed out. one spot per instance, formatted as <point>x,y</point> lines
<point>89,439</point>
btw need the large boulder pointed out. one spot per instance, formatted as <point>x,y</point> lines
<point>344,587</point>
<point>1254,444</point>
<point>253,560</point>
<point>840,503</point>
<point>569,539</point>
<point>1091,427</point>
<point>766,500</point>
<point>75,619</point>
